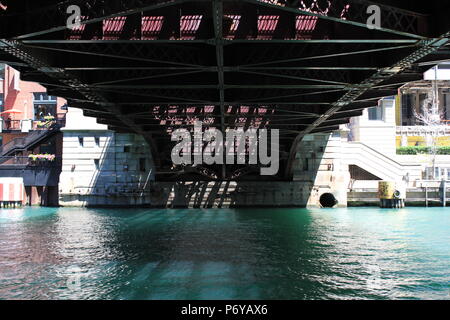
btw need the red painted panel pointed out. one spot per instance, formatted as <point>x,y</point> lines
<point>11,192</point>
<point>20,195</point>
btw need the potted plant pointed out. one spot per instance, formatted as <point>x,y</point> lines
<point>47,123</point>
<point>36,158</point>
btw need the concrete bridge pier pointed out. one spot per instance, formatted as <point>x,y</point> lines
<point>319,164</point>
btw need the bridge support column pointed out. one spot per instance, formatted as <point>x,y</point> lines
<point>319,166</point>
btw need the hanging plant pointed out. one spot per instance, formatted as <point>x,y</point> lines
<point>49,121</point>
<point>42,157</point>
<point>49,118</point>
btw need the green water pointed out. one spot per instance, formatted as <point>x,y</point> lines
<point>225,254</point>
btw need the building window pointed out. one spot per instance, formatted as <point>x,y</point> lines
<point>97,164</point>
<point>1,102</point>
<point>48,147</point>
<point>81,141</point>
<point>446,102</point>
<point>407,110</point>
<point>126,149</point>
<point>376,113</point>
<point>44,105</point>
<point>142,165</point>
<point>97,141</point>
<point>305,165</point>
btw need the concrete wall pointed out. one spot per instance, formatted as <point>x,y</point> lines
<point>113,166</point>
<point>76,121</point>
<point>201,194</point>
<point>414,197</point>
<point>225,194</point>
<point>320,169</point>
<point>99,164</point>
<point>442,73</point>
<point>377,134</point>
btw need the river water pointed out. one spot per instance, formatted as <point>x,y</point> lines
<point>366,253</point>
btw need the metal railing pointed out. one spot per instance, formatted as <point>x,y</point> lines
<point>32,138</point>
<point>419,130</point>
<point>12,125</point>
<point>21,125</point>
<point>28,162</point>
<point>44,125</point>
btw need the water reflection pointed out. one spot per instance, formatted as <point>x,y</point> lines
<point>224,254</point>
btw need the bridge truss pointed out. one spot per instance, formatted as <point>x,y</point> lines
<point>153,66</point>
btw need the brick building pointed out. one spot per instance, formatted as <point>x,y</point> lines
<point>29,125</point>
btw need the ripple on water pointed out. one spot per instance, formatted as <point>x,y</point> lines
<point>224,254</point>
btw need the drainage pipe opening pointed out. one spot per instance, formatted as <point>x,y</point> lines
<point>328,200</point>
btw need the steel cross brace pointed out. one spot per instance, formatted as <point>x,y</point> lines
<point>217,7</point>
<point>339,11</point>
<point>15,49</point>
<point>426,47</point>
<point>53,18</point>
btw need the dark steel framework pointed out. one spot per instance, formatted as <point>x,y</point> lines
<point>150,67</point>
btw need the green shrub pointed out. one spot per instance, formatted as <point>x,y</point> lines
<point>443,151</point>
<point>407,150</point>
<point>422,150</point>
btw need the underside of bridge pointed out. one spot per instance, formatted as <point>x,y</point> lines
<point>154,66</point>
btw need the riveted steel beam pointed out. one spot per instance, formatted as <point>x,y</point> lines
<point>426,47</point>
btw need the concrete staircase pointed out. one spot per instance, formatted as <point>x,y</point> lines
<point>380,165</point>
<point>27,142</point>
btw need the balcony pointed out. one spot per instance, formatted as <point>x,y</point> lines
<point>30,140</point>
<point>28,162</point>
<point>25,126</point>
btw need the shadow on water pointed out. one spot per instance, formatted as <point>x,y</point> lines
<point>222,254</point>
